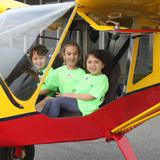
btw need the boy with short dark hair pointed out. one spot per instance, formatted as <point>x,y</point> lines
<point>39,57</point>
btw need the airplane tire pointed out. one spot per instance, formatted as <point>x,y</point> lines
<point>7,153</point>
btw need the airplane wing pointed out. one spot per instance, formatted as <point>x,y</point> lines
<point>110,15</point>
<point>10,4</point>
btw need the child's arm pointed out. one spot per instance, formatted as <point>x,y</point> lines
<point>44,92</point>
<point>84,97</point>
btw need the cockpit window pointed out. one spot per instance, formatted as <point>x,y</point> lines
<point>23,80</point>
<point>20,28</point>
<point>144,62</point>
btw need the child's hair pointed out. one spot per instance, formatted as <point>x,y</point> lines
<point>99,54</point>
<point>40,49</point>
<point>74,44</point>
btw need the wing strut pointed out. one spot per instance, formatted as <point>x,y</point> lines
<point>125,147</point>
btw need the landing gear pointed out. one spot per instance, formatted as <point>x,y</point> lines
<point>17,153</point>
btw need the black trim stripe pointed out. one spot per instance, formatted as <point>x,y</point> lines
<point>19,116</point>
<point>9,95</point>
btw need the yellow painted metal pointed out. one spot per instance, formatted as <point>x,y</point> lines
<point>152,78</point>
<point>141,7</point>
<point>8,4</point>
<point>7,109</point>
<point>95,25</point>
<point>137,118</point>
<point>101,13</point>
<point>120,10</point>
<point>100,4</point>
<point>153,24</point>
<point>130,127</point>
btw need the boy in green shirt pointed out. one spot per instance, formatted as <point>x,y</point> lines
<point>88,94</point>
<point>39,56</point>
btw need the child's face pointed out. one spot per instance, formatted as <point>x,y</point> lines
<point>71,56</point>
<point>94,65</point>
<point>38,61</point>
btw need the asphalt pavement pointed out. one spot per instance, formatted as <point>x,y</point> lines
<point>145,140</point>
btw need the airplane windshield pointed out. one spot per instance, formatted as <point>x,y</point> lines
<point>19,29</point>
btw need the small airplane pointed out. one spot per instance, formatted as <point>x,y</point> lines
<point>134,22</point>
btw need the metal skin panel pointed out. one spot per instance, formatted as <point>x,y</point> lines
<point>143,8</point>
<point>36,128</point>
<point>107,13</point>
<point>152,78</point>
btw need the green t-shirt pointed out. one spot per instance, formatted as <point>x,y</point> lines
<point>40,76</point>
<point>63,79</point>
<point>95,85</point>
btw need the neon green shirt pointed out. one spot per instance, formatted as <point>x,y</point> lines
<point>40,76</point>
<point>95,85</point>
<point>63,79</point>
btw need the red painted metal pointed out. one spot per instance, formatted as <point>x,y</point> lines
<point>125,147</point>
<point>39,129</point>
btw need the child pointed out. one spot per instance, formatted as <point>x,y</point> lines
<point>88,94</point>
<point>39,57</point>
<point>65,76</point>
